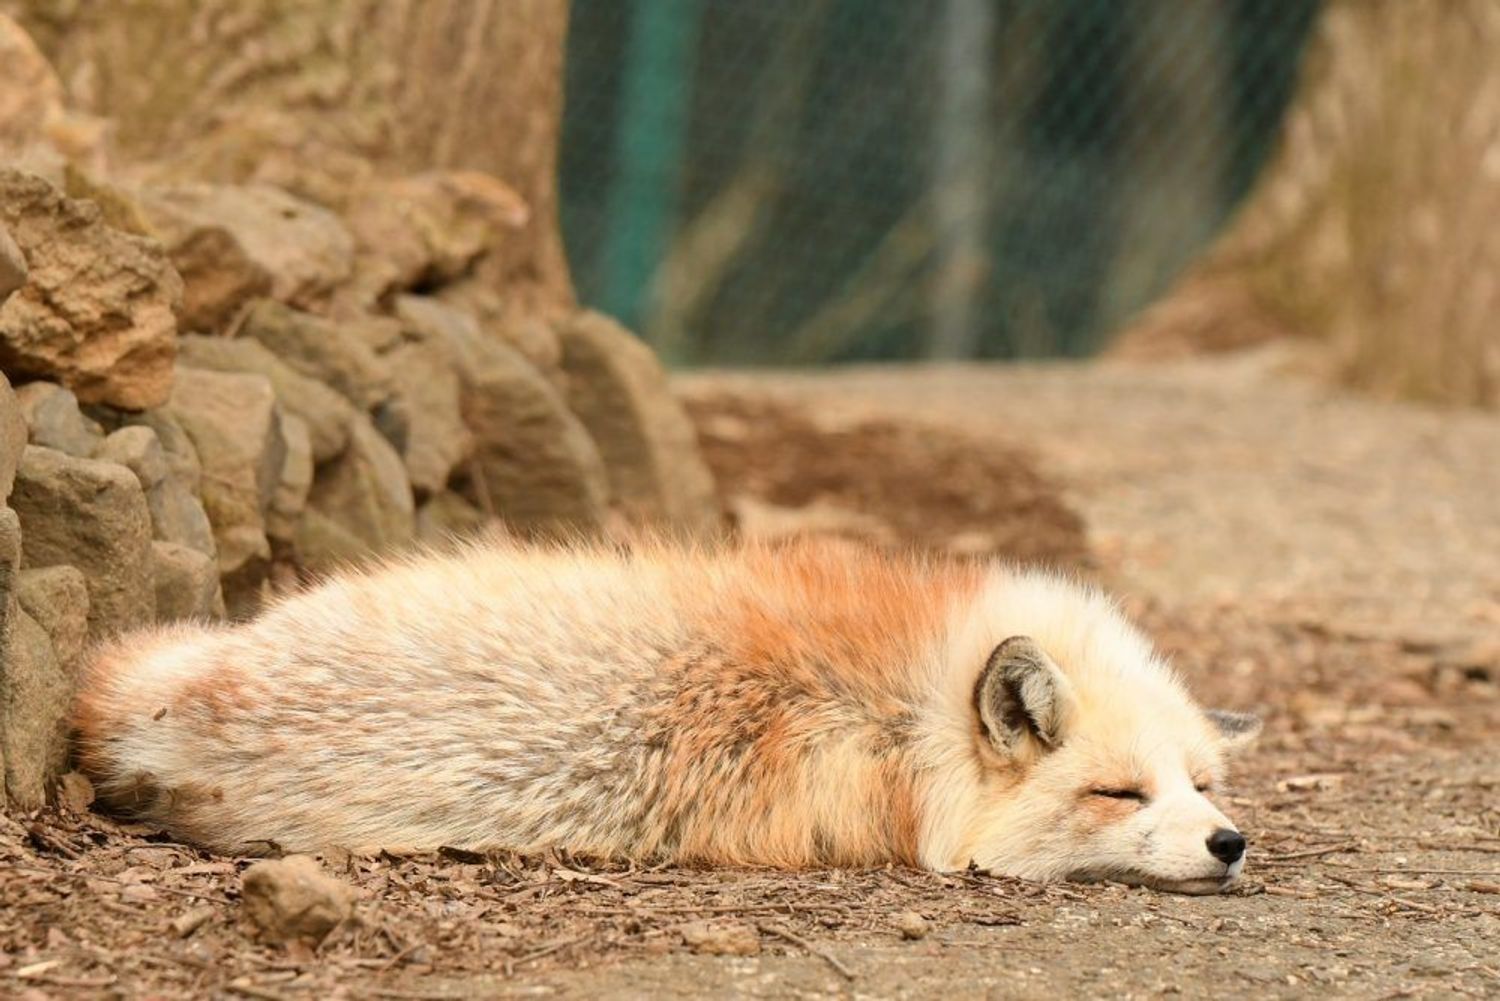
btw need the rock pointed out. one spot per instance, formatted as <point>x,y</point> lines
<point>117,206</point>
<point>12,436</point>
<point>10,562</point>
<point>182,455</point>
<point>721,939</point>
<point>448,516</point>
<point>327,414</point>
<point>39,676</point>
<point>236,242</point>
<point>911,925</point>
<point>290,499</point>
<point>186,583</point>
<point>91,515</point>
<point>12,266</point>
<point>528,333</point>
<point>323,544</point>
<point>426,384</point>
<point>323,350</point>
<point>534,464</point>
<point>57,599</point>
<point>138,450</point>
<point>34,697</point>
<point>365,492</point>
<point>429,229</point>
<point>176,513</point>
<point>54,420</point>
<point>75,793</point>
<point>649,446</point>
<point>292,899</point>
<point>232,421</point>
<point>97,310</point>
<point>30,92</point>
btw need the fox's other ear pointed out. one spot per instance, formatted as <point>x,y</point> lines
<point>1022,697</point>
<point>1236,729</point>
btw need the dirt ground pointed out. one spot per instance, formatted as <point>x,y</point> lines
<point>1330,562</point>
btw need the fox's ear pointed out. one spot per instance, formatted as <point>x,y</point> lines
<point>1236,729</point>
<point>1022,697</point>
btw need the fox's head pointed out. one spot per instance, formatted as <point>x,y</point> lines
<point>1092,760</point>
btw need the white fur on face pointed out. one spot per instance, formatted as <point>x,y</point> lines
<point>1132,728</point>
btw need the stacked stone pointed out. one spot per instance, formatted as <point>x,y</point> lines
<point>211,393</point>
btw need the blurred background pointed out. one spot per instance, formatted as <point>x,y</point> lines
<point>803,182</point>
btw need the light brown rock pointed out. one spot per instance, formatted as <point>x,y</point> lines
<point>429,229</point>
<point>713,938</point>
<point>240,241</point>
<point>911,925</point>
<point>327,414</point>
<point>12,436</point>
<point>53,419</point>
<point>426,383</point>
<point>12,265</point>
<point>617,388</point>
<point>321,349</point>
<point>97,311</point>
<point>232,421</point>
<point>186,583</point>
<point>91,515</point>
<point>176,513</point>
<point>290,499</point>
<point>534,464</point>
<point>366,493</point>
<point>34,696</point>
<point>30,92</point>
<point>292,899</point>
<point>447,516</point>
<point>48,620</point>
<point>57,598</point>
<point>323,544</point>
<point>525,331</point>
<point>10,562</point>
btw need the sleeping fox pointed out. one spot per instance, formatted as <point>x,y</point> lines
<point>811,704</point>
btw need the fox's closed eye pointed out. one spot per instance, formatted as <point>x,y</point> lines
<point>1134,794</point>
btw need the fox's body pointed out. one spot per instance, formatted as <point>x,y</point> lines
<point>807,705</point>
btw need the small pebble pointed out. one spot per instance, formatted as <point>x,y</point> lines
<point>911,925</point>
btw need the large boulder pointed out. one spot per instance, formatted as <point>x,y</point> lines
<point>366,493</point>
<point>12,265</point>
<point>177,515</point>
<point>236,433</point>
<point>534,464</point>
<point>650,448</point>
<point>53,419</point>
<point>327,414</point>
<point>97,310</point>
<point>235,242</point>
<point>91,515</point>
<point>330,352</point>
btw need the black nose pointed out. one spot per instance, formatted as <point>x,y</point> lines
<point>1227,846</point>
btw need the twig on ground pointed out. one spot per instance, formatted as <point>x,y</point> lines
<point>803,943</point>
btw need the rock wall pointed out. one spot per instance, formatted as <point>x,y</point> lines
<point>215,392</point>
